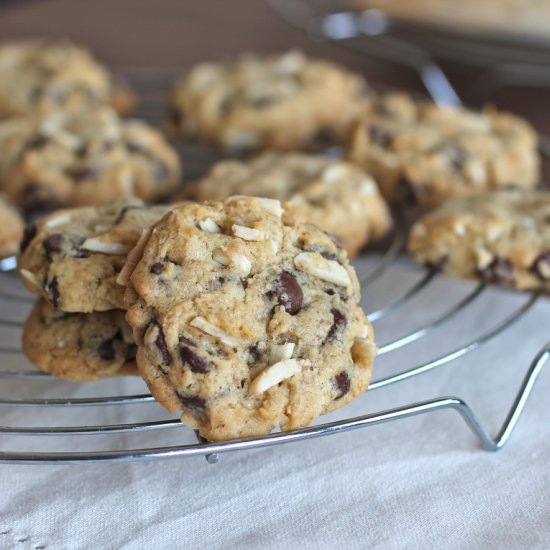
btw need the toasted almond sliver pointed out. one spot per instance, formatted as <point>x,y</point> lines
<point>209,226</point>
<point>279,352</point>
<point>328,270</point>
<point>219,256</point>
<point>276,373</point>
<point>271,206</point>
<point>202,324</point>
<point>483,256</point>
<point>242,263</point>
<point>31,278</point>
<point>134,256</point>
<point>58,220</point>
<point>249,233</point>
<point>95,245</point>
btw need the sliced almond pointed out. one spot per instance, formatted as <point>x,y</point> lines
<point>32,279</point>
<point>483,256</point>
<point>271,206</point>
<point>333,173</point>
<point>328,270</point>
<point>241,263</point>
<point>219,256</point>
<point>276,373</point>
<point>116,249</point>
<point>202,324</point>
<point>280,352</point>
<point>134,256</point>
<point>58,220</point>
<point>209,226</point>
<point>249,233</point>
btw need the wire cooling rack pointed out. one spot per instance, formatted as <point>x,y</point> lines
<point>500,62</point>
<point>64,418</point>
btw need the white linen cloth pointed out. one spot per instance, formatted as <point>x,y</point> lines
<point>422,482</point>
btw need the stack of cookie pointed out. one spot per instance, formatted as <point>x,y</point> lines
<point>62,137</point>
<point>244,316</point>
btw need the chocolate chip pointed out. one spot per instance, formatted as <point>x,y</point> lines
<point>380,135</point>
<point>84,173</point>
<point>28,235</point>
<point>156,268</point>
<point>123,212</point>
<point>36,198</point>
<point>195,362</point>
<point>456,155</point>
<point>159,171</point>
<point>175,116</point>
<point>106,350</point>
<point>339,322</point>
<point>135,148</point>
<point>37,142</point>
<point>52,244</point>
<point>192,401</point>
<point>500,270</point>
<point>343,382</point>
<point>436,265</point>
<point>160,342</point>
<point>52,289</point>
<point>329,256</point>
<point>253,354</point>
<point>324,138</point>
<point>541,266</point>
<point>288,293</point>
<point>263,102</point>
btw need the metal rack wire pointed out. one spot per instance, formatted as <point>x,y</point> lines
<point>500,63</point>
<point>152,87</point>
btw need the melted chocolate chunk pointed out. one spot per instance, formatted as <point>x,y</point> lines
<point>343,382</point>
<point>135,148</point>
<point>52,244</point>
<point>288,293</point>
<point>196,363</point>
<point>263,102</point>
<point>106,350</point>
<point>160,342</point>
<point>379,135</point>
<point>253,354</point>
<point>456,155</point>
<point>541,266</point>
<point>84,173</point>
<point>156,268</point>
<point>159,171</point>
<point>37,142</point>
<point>340,321</point>
<point>500,270</point>
<point>192,401</point>
<point>37,199</point>
<point>436,265</point>
<point>175,116</point>
<point>52,289</point>
<point>329,256</point>
<point>28,235</point>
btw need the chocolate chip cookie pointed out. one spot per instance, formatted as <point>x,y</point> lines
<point>84,159</point>
<point>11,228</point>
<point>246,321</point>
<point>42,77</point>
<point>79,346</point>
<point>280,102</point>
<point>73,257</point>
<point>423,153</point>
<point>500,237</point>
<point>337,196</point>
